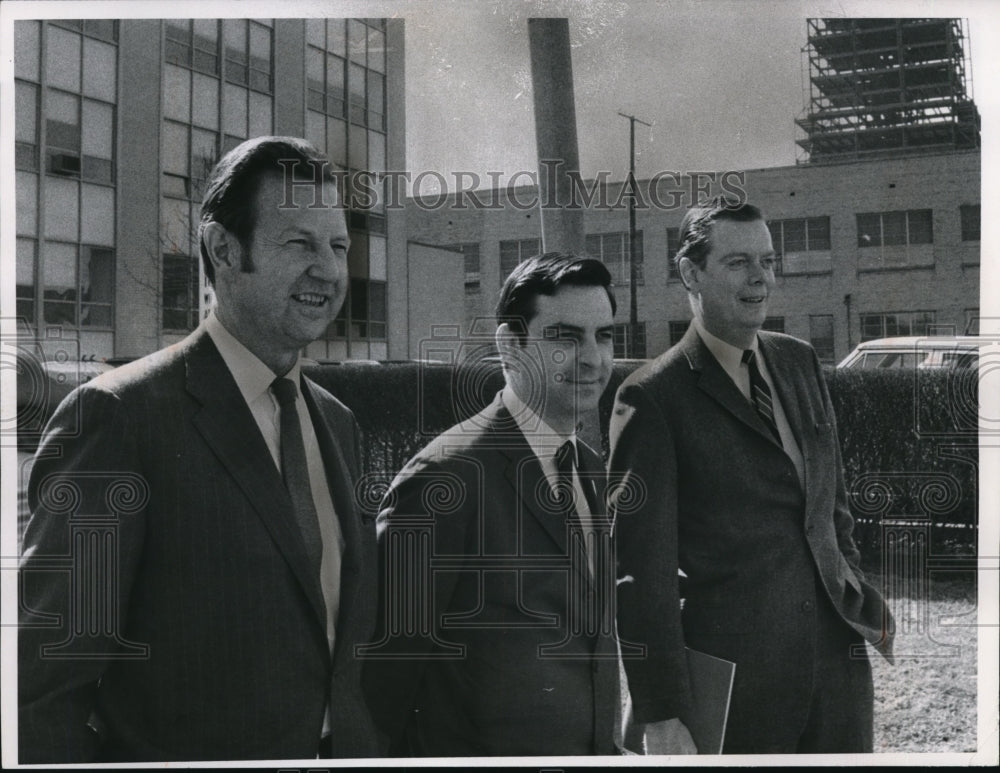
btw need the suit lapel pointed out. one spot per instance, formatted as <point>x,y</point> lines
<point>786,383</point>
<point>715,382</point>
<point>228,427</point>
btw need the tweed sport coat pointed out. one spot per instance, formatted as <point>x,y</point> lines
<point>507,663</point>
<point>211,643</point>
<point>702,486</point>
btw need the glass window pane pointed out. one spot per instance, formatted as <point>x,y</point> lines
<point>260,114</point>
<point>177,93</point>
<point>26,116</point>
<point>59,271</point>
<point>893,228</point>
<point>205,102</point>
<point>336,40</point>
<point>356,38</point>
<point>175,222</point>
<point>26,49</point>
<point>62,209</point>
<point>377,301</point>
<point>27,203</point>
<point>336,141</point>
<point>376,257</point>
<point>206,35</point>
<point>97,214</point>
<point>376,49</point>
<point>316,32</point>
<point>356,87</point>
<point>316,130</point>
<point>376,152</point>
<point>100,70</point>
<point>795,235</point>
<point>359,299</point>
<point>234,110</point>
<point>260,47</point>
<point>62,59</point>
<point>358,148</point>
<point>819,233</point>
<point>376,109</point>
<point>98,129</point>
<point>334,85</point>
<point>921,226</point>
<point>175,149</point>
<point>96,269</point>
<point>25,271</point>
<point>63,120</point>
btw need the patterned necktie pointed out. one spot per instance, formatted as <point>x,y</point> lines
<point>761,393</point>
<point>295,470</point>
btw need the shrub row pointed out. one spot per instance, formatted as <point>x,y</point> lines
<point>908,438</point>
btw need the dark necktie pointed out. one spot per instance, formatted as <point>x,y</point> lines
<point>761,393</point>
<point>566,463</point>
<point>295,470</point>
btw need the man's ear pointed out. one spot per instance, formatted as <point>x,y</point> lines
<point>689,274</point>
<point>223,248</point>
<point>507,344</point>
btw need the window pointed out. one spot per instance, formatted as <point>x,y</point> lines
<point>193,44</point>
<point>971,322</point>
<point>774,324</point>
<point>970,215</point>
<point>896,323</point>
<point>887,229</point>
<point>612,249</point>
<point>677,330</point>
<point>363,315</point>
<point>514,251</point>
<point>622,340</point>
<point>25,275</point>
<point>180,293</point>
<point>345,69</point>
<point>821,336</point>
<point>78,283</point>
<point>802,244</point>
<point>673,245</point>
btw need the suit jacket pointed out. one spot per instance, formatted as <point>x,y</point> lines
<point>701,485</point>
<point>493,639</point>
<point>165,597</point>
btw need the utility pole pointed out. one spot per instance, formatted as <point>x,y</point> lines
<point>633,305</point>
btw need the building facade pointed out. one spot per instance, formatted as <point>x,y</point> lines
<point>118,123</point>
<point>869,248</point>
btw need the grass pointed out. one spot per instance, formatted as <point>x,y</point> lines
<point>926,702</point>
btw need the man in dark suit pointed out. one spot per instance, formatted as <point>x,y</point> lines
<point>731,469</point>
<point>216,575</point>
<point>497,624</point>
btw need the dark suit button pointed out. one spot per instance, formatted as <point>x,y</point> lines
<point>807,606</point>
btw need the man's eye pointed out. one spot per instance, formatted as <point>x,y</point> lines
<point>768,263</point>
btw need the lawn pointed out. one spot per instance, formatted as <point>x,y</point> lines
<point>926,702</point>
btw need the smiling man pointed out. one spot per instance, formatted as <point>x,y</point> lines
<point>731,438</point>
<point>236,572</point>
<point>498,638</point>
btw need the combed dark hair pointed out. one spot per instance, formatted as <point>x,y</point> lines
<point>543,275</point>
<point>231,193</point>
<point>696,227</point>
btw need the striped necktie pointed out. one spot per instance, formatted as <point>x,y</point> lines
<point>760,393</point>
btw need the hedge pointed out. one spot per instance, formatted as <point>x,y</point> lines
<point>908,438</point>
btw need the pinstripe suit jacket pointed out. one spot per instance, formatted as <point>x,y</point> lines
<point>187,628</point>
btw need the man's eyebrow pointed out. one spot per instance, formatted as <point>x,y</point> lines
<point>743,254</point>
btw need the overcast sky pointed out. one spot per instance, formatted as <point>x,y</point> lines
<point>720,82</point>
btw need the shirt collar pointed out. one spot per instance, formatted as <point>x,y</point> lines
<point>252,376</point>
<point>730,357</point>
<point>543,440</point>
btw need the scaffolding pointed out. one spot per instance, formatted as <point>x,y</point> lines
<point>887,87</point>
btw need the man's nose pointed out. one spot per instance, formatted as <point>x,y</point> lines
<point>330,264</point>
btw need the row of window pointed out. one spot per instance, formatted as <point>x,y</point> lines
<point>802,244</point>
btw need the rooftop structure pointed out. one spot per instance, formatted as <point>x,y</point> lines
<point>887,87</point>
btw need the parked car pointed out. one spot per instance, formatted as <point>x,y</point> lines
<point>915,352</point>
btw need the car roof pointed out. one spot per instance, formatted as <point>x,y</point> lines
<point>922,342</point>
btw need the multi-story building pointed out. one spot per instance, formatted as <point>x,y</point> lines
<point>118,123</point>
<point>877,229</point>
<point>868,248</point>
